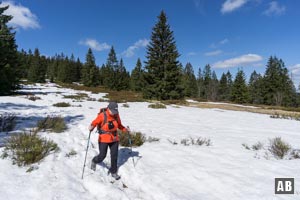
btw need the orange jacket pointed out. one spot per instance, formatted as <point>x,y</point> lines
<point>109,135</point>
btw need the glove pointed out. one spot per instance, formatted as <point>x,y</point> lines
<point>91,128</point>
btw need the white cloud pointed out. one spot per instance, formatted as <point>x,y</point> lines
<point>129,52</point>
<point>225,41</point>
<point>232,5</point>
<point>238,61</point>
<point>192,54</point>
<point>22,16</point>
<point>94,44</point>
<point>274,9</point>
<point>213,53</point>
<point>222,42</point>
<point>295,70</point>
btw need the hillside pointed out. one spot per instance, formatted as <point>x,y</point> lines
<point>157,170</point>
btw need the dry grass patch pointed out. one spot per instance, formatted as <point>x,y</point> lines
<point>260,110</point>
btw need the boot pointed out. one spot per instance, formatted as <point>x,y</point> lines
<point>93,166</point>
<point>115,176</point>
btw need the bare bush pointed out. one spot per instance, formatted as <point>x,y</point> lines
<point>279,148</point>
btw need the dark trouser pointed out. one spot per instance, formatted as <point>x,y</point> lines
<point>114,146</point>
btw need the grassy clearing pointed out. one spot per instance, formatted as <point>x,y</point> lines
<point>117,96</point>
<point>261,110</point>
<point>157,106</point>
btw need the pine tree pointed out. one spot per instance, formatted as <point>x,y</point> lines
<point>255,88</point>
<point>229,84</point>
<point>200,84</point>
<point>122,77</point>
<point>137,77</point>
<point>239,93</point>
<point>189,81</point>
<point>112,65</point>
<point>9,76</point>
<point>162,67</point>
<point>206,81</point>
<point>37,69</point>
<point>223,88</point>
<point>278,87</point>
<point>90,74</point>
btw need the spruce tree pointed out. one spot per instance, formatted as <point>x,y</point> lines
<point>137,77</point>
<point>112,65</point>
<point>278,87</point>
<point>207,81</point>
<point>229,84</point>
<point>223,88</point>
<point>255,88</point>
<point>9,76</point>
<point>37,69</point>
<point>239,93</point>
<point>163,77</point>
<point>122,77</point>
<point>189,81</point>
<point>200,84</point>
<point>90,74</point>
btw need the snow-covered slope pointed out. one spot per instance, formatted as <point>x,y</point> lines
<point>158,170</point>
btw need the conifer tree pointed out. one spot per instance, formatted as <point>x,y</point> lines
<point>200,84</point>
<point>255,88</point>
<point>189,81</point>
<point>137,77</point>
<point>239,93</point>
<point>90,72</point>
<point>163,78</point>
<point>9,76</point>
<point>206,81</point>
<point>122,77</point>
<point>278,87</point>
<point>223,88</point>
<point>37,69</point>
<point>229,84</point>
<point>111,68</point>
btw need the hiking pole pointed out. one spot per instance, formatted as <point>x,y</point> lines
<point>86,154</point>
<point>130,144</point>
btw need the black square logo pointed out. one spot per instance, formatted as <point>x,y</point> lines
<point>284,186</point>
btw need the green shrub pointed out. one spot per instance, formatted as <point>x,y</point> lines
<point>33,98</point>
<point>62,104</point>
<point>28,148</point>
<point>157,106</point>
<point>7,122</point>
<point>137,139</point>
<point>125,105</point>
<point>257,146</point>
<point>52,123</point>
<point>71,153</point>
<point>279,148</point>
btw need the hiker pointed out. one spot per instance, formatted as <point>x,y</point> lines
<point>107,122</point>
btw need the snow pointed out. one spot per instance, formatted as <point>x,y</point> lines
<point>157,170</point>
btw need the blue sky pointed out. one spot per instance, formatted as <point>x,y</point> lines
<point>227,34</point>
